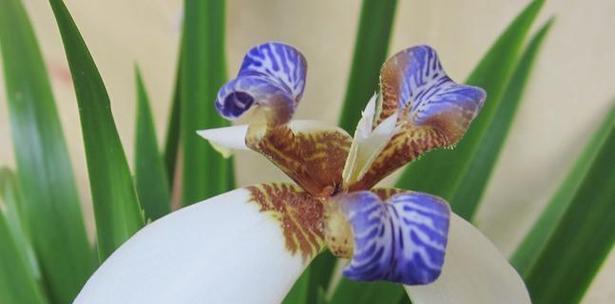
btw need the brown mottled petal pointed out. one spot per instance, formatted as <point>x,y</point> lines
<point>309,153</point>
<point>405,146</point>
<point>299,213</point>
<point>433,111</point>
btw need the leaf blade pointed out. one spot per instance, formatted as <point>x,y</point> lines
<point>574,234</point>
<point>116,206</point>
<point>46,178</point>
<point>367,292</point>
<point>370,50</point>
<point>299,293</point>
<point>17,282</point>
<point>150,176</point>
<point>203,72</point>
<point>12,209</point>
<point>472,186</point>
<point>171,146</point>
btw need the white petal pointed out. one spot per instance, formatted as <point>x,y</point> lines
<point>364,127</point>
<point>365,148</point>
<point>222,250</point>
<point>474,272</point>
<point>226,139</point>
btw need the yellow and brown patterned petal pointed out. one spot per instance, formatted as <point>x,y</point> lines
<point>299,214</point>
<point>433,111</point>
<point>308,152</point>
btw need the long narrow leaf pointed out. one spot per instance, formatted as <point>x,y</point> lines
<point>367,292</point>
<point>12,209</point>
<point>370,51</point>
<point>480,165</point>
<point>205,173</point>
<point>564,250</point>
<point>535,241</point>
<point>17,282</point>
<point>51,206</point>
<point>441,172</point>
<point>171,145</point>
<point>116,207</point>
<point>300,292</point>
<point>150,174</point>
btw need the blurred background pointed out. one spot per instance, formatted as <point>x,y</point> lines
<point>572,85</point>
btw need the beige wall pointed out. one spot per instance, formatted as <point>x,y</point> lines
<point>571,87</point>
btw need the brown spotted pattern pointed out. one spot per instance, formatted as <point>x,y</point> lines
<point>299,213</point>
<point>314,160</point>
<point>390,77</point>
<point>405,146</point>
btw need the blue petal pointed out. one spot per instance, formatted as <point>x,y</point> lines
<point>281,63</point>
<point>414,79</point>
<point>240,94</point>
<point>271,75</point>
<point>401,240</point>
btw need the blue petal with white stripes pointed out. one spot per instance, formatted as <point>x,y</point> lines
<point>401,240</point>
<point>414,80</point>
<point>272,75</point>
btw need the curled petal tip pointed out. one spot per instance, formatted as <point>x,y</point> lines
<point>280,62</point>
<point>414,80</point>
<point>226,139</point>
<point>434,111</point>
<point>272,78</point>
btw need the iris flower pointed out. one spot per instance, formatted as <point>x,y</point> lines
<point>249,245</point>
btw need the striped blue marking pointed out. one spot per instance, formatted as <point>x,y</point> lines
<point>425,88</point>
<point>270,73</point>
<point>401,240</point>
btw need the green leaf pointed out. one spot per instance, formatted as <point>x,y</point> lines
<point>116,207</point>
<point>535,241</point>
<point>481,163</point>
<point>316,277</point>
<point>367,292</point>
<point>319,272</point>
<point>17,282</point>
<point>13,213</point>
<point>150,174</point>
<point>205,172</point>
<point>565,248</point>
<point>442,172</point>
<point>51,207</point>
<point>321,297</point>
<point>370,51</point>
<point>299,293</point>
<point>171,146</point>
